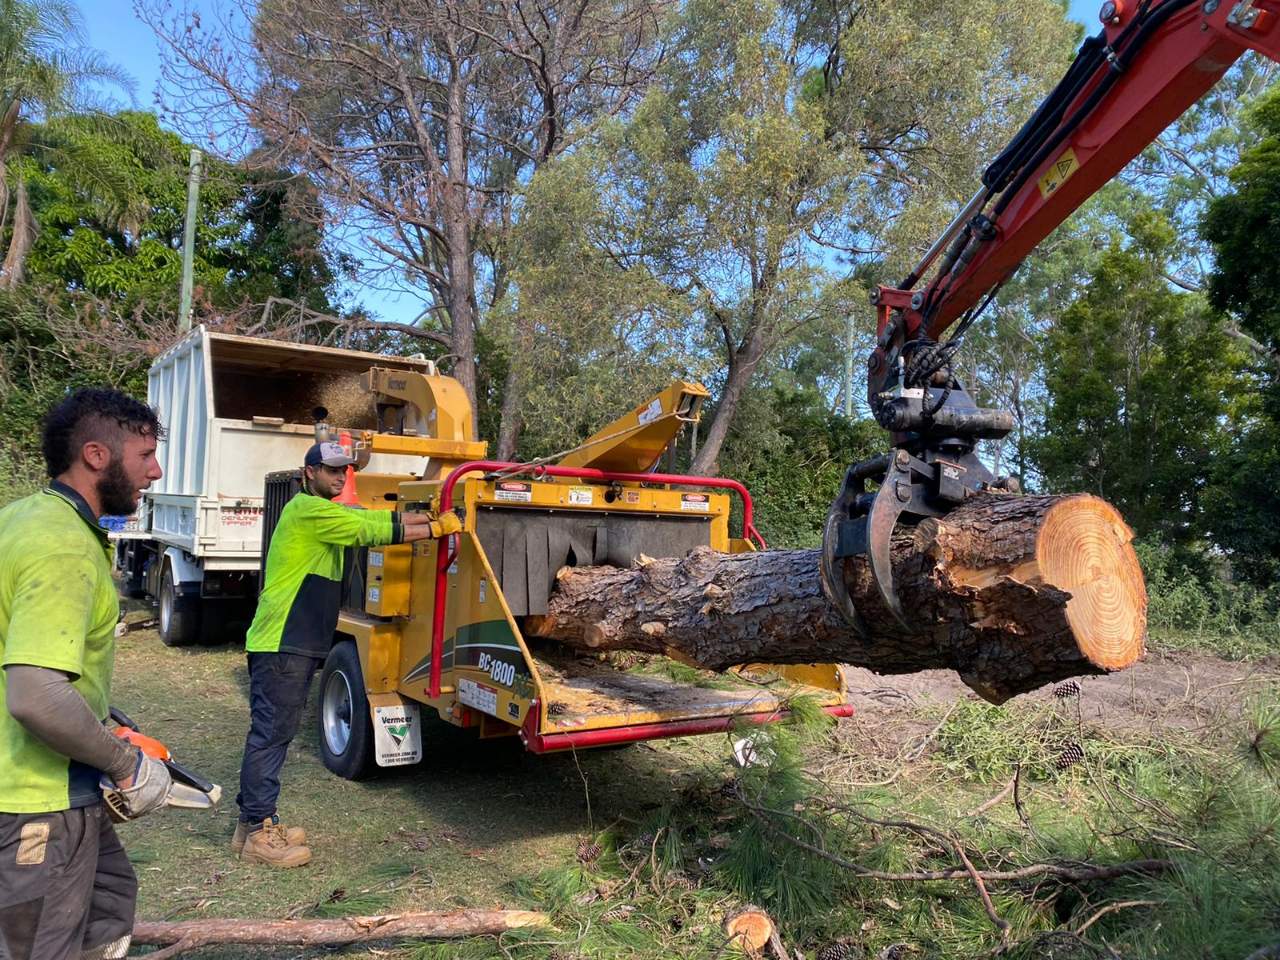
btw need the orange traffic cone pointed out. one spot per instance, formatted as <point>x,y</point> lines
<point>348,496</point>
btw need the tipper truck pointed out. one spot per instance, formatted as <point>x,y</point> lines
<point>235,408</point>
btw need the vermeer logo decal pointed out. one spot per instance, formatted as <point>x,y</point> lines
<point>397,734</point>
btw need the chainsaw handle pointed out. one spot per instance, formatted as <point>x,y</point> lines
<point>149,745</point>
<point>128,731</point>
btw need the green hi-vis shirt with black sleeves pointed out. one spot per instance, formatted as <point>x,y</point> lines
<point>58,609</point>
<point>298,607</point>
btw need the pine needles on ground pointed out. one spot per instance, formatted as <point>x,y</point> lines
<point>1207,805</point>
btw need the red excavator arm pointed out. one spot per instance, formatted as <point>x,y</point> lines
<point>1152,61</point>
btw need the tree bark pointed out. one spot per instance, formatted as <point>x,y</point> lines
<point>21,238</point>
<point>308,933</point>
<point>458,227</point>
<point>1011,592</point>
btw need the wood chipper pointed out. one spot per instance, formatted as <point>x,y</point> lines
<point>439,623</point>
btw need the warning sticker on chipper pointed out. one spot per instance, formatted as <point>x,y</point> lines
<point>699,502</point>
<point>513,492</point>
<point>582,496</point>
<point>650,413</point>
<point>479,696</point>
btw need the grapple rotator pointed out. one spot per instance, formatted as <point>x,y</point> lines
<point>932,466</point>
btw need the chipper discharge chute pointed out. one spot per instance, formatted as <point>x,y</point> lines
<point>440,623</point>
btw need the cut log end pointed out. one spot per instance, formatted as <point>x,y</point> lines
<point>750,928</point>
<point>1085,549</point>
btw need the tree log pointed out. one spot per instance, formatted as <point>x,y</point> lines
<point>1012,592</point>
<point>189,934</point>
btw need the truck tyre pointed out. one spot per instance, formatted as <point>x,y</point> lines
<point>179,616</point>
<point>345,733</point>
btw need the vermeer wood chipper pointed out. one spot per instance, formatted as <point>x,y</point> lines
<point>439,624</point>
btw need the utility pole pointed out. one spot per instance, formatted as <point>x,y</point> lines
<point>848,367</point>
<point>189,243</point>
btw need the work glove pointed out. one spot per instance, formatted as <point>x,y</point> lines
<point>445,524</point>
<point>150,790</point>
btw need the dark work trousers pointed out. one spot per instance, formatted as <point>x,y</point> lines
<point>67,889</point>
<point>278,685</point>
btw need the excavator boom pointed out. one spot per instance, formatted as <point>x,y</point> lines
<point>1152,60</point>
<point>1150,63</point>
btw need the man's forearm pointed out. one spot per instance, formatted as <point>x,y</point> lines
<point>52,711</point>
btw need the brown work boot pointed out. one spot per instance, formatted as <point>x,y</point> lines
<point>270,844</point>
<point>296,835</point>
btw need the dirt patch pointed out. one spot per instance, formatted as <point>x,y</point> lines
<point>1186,692</point>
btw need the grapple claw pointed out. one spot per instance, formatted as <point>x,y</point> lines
<point>833,587</point>
<point>893,497</point>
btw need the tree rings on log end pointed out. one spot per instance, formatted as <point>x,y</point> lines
<point>1085,549</point>
<point>749,929</point>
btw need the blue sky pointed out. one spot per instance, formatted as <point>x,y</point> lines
<point>112,28</point>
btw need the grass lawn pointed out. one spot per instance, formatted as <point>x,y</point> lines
<point>453,831</point>
<point>1179,762</point>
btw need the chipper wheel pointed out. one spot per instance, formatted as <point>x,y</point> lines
<point>345,734</point>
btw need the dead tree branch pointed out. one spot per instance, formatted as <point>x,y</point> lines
<point>189,934</point>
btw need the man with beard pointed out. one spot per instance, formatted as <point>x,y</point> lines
<point>66,886</point>
<point>292,632</point>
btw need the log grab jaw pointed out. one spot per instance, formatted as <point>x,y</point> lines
<point>932,467</point>
<point>1152,60</point>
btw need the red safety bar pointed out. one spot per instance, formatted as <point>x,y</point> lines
<point>444,559</point>
<point>536,742</point>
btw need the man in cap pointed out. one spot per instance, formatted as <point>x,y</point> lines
<point>292,631</point>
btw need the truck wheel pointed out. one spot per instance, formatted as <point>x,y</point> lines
<point>345,734</point>
<point>179,616</point>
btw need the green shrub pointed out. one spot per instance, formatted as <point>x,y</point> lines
<point>21,473</point>
<point>1192,601</point>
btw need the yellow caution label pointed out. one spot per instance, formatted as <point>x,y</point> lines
<point>1059,173</point>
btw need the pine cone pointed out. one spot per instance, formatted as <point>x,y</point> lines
<point>588,851</point>
<point>1064,690</point>
<point>681,882</point>
<point>729,789</point>
<point>1071,754</point>
<point>617,914</point>
<point>838,950</point>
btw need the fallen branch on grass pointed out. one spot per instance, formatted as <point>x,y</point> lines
<point>1112,908</point>
<point>1076,872</point>
<point>189,934</point>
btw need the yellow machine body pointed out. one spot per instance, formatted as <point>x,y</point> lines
<point>519,528</point>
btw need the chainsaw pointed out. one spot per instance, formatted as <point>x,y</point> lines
<point>188,789</point>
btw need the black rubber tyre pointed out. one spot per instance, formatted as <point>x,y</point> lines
<point>179,616</point>
<point>345,732</point>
